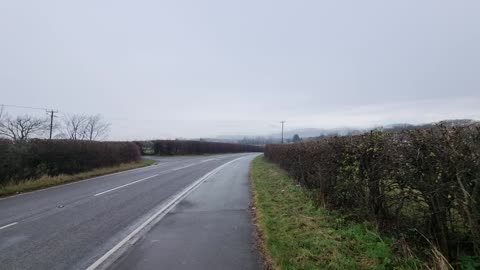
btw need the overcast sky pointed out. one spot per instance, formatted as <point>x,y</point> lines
<point>166,69</point>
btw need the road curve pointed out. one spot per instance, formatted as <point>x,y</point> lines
<point>209,229</point>
<point>72,226</point>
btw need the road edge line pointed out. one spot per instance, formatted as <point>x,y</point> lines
<point>103,262</point>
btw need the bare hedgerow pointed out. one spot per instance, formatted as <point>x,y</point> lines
<point>420,181</point>
<point>181,147</point>
<point>34,158</point>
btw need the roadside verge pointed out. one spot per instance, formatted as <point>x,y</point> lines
<point>50,181</point>
<point>296,234</point>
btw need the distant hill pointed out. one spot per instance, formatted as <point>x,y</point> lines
<point>306,133</point>
<point>316,132</point>
<point>459,122</point>
<point>448,123</point>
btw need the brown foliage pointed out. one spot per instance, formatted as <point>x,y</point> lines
<point>34,158</point>
<point>410,183</point>
<point>179,147</point>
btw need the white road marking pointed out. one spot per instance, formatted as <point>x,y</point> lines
<point>134,182</point>
<point>8,225</point>
<point>126,185</point>
<point>96,177</point>
<point>157,216</point>
<point>83,181</point>
<point>179,168</point>
<point>190,165</point>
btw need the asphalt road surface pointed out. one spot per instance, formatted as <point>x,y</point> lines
<point>184,213</point>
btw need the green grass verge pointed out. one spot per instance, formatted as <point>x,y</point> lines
<point>296,234</point>
<point>48,181</point>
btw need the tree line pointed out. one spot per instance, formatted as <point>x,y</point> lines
<point>74,127</point>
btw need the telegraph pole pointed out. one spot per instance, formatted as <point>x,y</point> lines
<point>283,122</point>
<point>52,114</point>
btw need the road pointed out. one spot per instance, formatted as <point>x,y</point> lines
<point>179,214</point>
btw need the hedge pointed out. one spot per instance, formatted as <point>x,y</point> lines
<point>181,147</point>
<point>418,184</point>
<point>34,158</point>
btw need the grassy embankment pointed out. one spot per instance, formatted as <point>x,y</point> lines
<point>48,181</point>
<point>296,234</point>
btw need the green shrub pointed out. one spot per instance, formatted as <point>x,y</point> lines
<point>419,184</point>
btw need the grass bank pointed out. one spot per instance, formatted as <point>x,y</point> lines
<point>49,181</point>
<point>296,234</point>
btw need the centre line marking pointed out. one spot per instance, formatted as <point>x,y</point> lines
<point>157,216</point>
<point>179,168</point>
<point>8,225</point>
<point>126,185</point>
<point>190,165</point>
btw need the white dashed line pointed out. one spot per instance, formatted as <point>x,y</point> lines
<point>156,216</point>
<point>126,185</point>
<point>8,225</point>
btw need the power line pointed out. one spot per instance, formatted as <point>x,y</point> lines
<point>51,112</point>
<point>23,107</point>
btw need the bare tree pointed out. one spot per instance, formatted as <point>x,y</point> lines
<point>74,127</point>
<point>82,127</point>
<point>96,128</point>
<point>22,127</point>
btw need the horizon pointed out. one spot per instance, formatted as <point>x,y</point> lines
<point>192,70</point>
